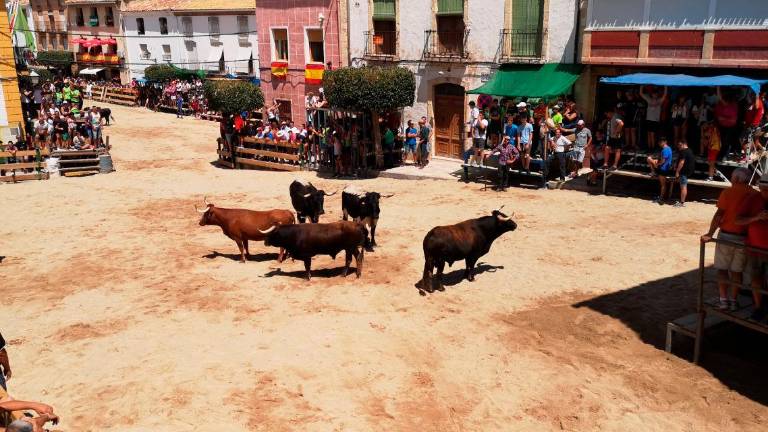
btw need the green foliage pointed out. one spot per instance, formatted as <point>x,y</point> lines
<point>55,58</point>
<point>369,88</point>
<point>233,96</point>
<point>45,75</point>
<point>160,72</point>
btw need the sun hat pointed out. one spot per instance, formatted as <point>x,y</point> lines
<point>580,123</point>
<point>522,105</point>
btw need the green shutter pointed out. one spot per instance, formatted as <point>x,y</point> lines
<point>450,7</point>
<point>526,15</point>
<point>384,9</point>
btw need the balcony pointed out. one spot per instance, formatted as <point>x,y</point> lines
<point>521,46</point>
<point>167,57</point>
<point>110,59</point>
<point>380,45</point>
<point>446,45</point>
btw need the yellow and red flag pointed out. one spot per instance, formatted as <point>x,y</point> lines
<point>279,69</point>
<point>314,74</point>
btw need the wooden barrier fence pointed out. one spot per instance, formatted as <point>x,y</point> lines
<point>12,167</point>
<point>116,95</point>
<point>262,153</point>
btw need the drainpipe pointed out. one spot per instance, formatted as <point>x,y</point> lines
<point>577,38</point>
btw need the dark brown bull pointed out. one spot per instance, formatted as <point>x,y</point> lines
<point>468,240</point>
<point>304,241</point>
<point>242,225</point>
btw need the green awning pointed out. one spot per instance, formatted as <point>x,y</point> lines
<point>535,81</point>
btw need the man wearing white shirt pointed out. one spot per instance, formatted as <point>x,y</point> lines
<point>559,145</point>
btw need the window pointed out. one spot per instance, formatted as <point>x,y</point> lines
<point>384,40</point>
<point>166,52</point>
<point>191,47</point>
<point>315,48</point>
<point>79,17</point>
<point>186,26</point>
<point>93,20</point>
<point>145,54</point>
<point>51,23</point>
<point>64,42</point>
<point>140,26</point>
<point>242,28</point>
<point>163,25</point>
<point>450,34</point>
<point>213,28</point>
<point>54,40</point>
<point>109,18</point>
<point>44,41</point>
<point>280,44</point>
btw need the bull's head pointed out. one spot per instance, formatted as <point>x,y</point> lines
<point>504,222</point>
<point>207,213</point>
<point>371,202</point>
<point>315,203</point>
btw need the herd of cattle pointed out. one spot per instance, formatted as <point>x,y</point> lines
<point>468,240</point>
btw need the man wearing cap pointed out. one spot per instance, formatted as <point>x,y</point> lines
<point>557,116</point>
<point>754,215</point>
<point>583,140</point>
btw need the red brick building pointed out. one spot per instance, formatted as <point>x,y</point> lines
<point>697,37</point>
<point>297,40</point>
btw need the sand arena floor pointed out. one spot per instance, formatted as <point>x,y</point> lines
<point>125,315</point>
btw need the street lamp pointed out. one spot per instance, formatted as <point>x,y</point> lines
<point>320,18</point>
<point>34,77</point>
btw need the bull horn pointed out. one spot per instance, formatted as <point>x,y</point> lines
<point>202,211</point>
<point>331,194</point>
<point>269,230</point>
<point>388,196</point>
<point>307,195</point>
<point>205,200</point>
<point>503,219</point>
<point>501,207</point>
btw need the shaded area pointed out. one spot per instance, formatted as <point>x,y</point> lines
<point>320,272</point>
<point>262,257</point>
<point>733,354</point>
<point>455,277</point>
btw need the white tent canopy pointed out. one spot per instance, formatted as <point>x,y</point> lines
<point>91,71</point>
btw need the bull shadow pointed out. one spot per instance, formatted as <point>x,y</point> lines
<point>324,273</point>
<point>262,257</point>
<point>455,277</point>
<point>733,354</point>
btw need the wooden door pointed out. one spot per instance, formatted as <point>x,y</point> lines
<point>449,120</point>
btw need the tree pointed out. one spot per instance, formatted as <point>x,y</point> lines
<point>160,72</point>
<point>372,89</point>
<point>59,59</point>
<point>233,96</point>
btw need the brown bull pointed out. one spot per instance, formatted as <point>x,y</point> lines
<point>242,225</point>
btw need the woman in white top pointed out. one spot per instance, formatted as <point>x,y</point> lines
<point>653,114</point>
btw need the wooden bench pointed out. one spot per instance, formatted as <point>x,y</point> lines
<point>672,180</point>
<point>687,326</point>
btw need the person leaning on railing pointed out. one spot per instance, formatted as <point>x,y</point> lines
<point>730,260</point>
<point>754,215</point>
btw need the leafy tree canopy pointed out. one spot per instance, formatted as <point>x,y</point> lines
<point>369,88</point>
<point>233,96</point>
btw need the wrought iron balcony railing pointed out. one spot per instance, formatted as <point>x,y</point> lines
<point>522,45</point>
<point>380,44</point>
<point>446,45</point>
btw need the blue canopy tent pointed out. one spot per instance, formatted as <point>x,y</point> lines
<point>685,80</point>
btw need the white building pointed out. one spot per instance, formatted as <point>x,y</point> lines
<point>455,45</point>
<point>215,35</point>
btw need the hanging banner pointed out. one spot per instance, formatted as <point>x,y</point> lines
<point>313,74</point>
<point>280,69</point>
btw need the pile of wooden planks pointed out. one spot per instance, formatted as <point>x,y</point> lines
<point>22,169</point>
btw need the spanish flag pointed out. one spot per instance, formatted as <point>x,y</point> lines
<point>314,74</point>
<point>280,69</point>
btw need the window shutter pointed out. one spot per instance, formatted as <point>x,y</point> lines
<point>450,7</point>
<point>384,9</point>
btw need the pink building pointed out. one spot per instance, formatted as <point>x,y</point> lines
<point>297,40</point>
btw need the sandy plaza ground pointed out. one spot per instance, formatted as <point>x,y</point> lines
<point>126,315</point>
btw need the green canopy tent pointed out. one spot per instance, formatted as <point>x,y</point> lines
<point>188,73</point>
<point>533,81</point>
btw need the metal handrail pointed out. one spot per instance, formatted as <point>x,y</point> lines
<point>380,44</point>
<point>446,44</point>
<point>522,44</point>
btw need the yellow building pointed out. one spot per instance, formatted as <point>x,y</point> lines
<point>11,118</point>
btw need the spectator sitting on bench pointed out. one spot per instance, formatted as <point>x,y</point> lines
<point>596,156</point>
<point>661,167</point>
<point>730,258</point>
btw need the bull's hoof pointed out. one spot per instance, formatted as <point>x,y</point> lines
<point>440,287</point>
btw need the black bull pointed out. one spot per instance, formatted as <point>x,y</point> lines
<point>468,240</point>
<point>304,241</point>
<point>363,208</point>
<point>307,200</point>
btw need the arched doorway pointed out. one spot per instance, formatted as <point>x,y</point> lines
<point>449,120</point>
